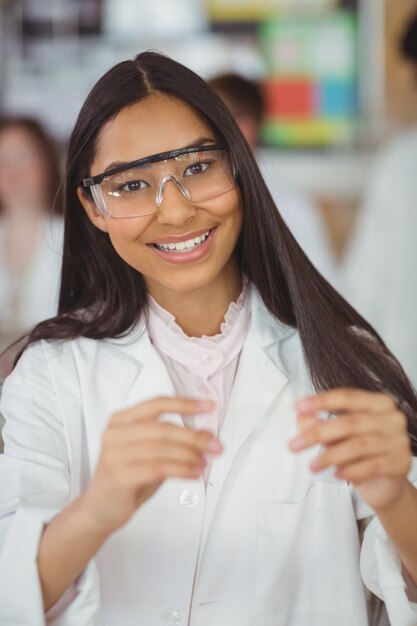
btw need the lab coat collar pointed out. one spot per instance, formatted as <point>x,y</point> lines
<point>149,377</point>
<point>266,328</point>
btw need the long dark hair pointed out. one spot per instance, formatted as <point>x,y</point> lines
<point>102,296</point>
<point>50,153</point>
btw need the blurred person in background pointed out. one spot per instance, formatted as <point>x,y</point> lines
<point>245,101</point>
<point>31,228</point>
<point>381,262</point>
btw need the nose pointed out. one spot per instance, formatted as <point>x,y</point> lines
<point>161,188</point>
<point>173,202</point>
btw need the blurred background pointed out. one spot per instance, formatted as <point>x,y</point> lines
<point>336,137</point>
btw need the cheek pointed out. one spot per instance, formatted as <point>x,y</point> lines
<point>3,180</point>
<point>41,176</point>
<point>36,178</point>
<point>125,236</point>
<point>233,214</point>
<point>228,209</point>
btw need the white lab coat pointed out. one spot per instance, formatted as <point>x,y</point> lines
<point>380,266</point>
<point>266,544</point>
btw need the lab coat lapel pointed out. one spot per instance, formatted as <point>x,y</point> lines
<point>126,371</point>
<point>258,384</point>
<point>258,387</point>
<point>261,374</point>
<point>151,381</point>
<point>146,377</point>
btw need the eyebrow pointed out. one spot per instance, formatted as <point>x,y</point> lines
<point>200,141</point>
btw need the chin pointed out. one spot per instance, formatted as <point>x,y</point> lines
<point>187,284</point>
<point>183,282</point>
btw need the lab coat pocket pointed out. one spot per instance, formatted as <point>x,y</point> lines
<point>302,561</point>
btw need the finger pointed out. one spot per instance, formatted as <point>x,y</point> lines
<point>353,450</point>
<point>162,452</point>
<point>376,467</point>
<point>147,474</point>
<point>346,400</point>
<point>152,409</point>
<point>307,420</point>
<point>304,423</point>
<point>346,426</point>
<point>200,440</point>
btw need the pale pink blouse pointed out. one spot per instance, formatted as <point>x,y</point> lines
<point>202,367</point>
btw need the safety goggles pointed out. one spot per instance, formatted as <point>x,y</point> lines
<point>136,189</point>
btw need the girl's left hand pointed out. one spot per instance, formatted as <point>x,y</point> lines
<point>367,443</point>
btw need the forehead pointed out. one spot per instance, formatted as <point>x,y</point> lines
<point>157,124</point>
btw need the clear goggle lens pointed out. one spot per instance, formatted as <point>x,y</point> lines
<point>199,176</point>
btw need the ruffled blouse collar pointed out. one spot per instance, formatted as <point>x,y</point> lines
<point>220,349</point>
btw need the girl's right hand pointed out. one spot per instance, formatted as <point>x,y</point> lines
<point>139,452</point>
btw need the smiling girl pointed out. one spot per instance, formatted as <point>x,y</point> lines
<point>167,457</point>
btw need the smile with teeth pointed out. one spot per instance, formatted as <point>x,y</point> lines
<point>183,246</point>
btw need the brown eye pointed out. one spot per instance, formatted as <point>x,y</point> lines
<point>134,185</point>
<point>196,168</point>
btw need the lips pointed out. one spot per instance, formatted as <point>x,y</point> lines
<point>186,251</point>
<point>180,238</point>
<point>180,246</point>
